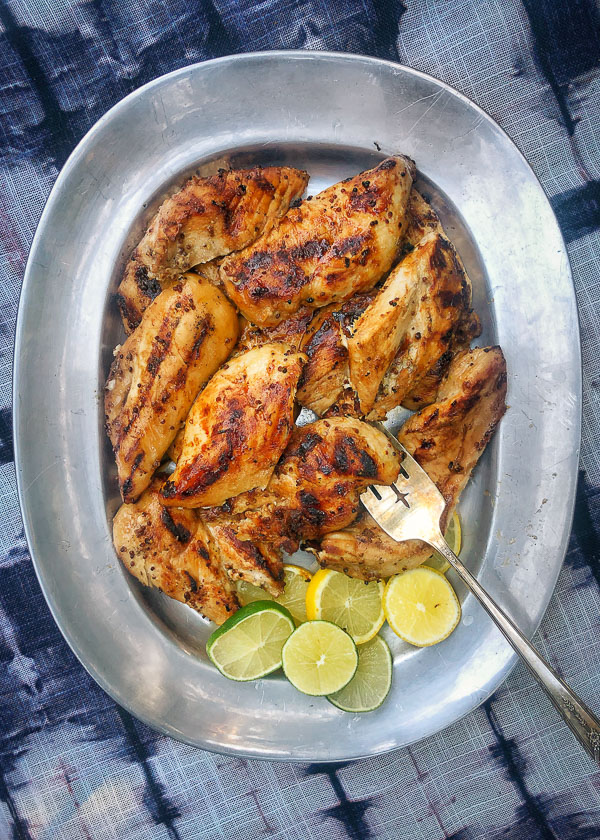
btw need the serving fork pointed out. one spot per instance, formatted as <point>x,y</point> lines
<point>411,508</point>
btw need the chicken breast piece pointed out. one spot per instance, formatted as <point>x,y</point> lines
<point>171,551</point>
<point>184,336</point>
<point>327,249</point>
<point>425,390</point>
<point>415,312</point>
<point>326,373</point>
<point>422,220</point>
<point>243,556</point>
<point>206,219</point>
<point>316,485</point>
<point>325,384</point>
<point>363,550</point>
<point>325,381</point>
<point>237,429</point>
<point>447,439</point>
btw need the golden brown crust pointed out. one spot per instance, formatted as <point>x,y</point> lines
<point>290,332</point>
<point>206,219</point>
<point>314,328</point>
<point>409,325</point>
<point>326,373</point>
<point>422,220</point>
<point>170,550</point>
<point>326,387</point>
<point>327,249</point>
<point>424,391</point>
<point>316,485</point>
<point>184,336</point>
<point>237,429</point>
<point>363,550</point>
<point>447,439</point>
<point>243,556</point>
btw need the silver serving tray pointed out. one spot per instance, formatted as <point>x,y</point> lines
<point>334,115</point>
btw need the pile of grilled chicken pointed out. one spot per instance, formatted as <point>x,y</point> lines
<point>242,303</point>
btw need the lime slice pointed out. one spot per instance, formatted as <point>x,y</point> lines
<point>296,581</point>
<point>293,597</point>
<point>319,658</point>
<point>355,605</point>
<point>453,537</point>
<point>372,681</point>
<point>421,607</point>
<point>249,644</point>
<point>248,593</point>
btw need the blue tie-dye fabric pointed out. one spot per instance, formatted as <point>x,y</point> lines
<point>74,765</point>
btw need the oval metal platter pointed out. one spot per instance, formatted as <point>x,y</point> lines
<point>333,115</point>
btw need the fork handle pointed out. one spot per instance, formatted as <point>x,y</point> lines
<point>578,717</point>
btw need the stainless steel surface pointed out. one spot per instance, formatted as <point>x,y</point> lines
<point>330,114</point>
<point>411,509</point>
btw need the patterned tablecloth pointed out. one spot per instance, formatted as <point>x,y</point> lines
<point>73,764</point>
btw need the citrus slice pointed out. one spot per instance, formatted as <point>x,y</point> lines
<point>453,537</point>
<point>249,644</point>
<point>372,681</point>
<point>248,593</point>
<point>355,605</point>
<point>319,658</point>
<point>296,580</point>
<point>421,607</point>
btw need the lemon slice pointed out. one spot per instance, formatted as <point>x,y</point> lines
<point>293,597</point>
<point>354,605</point>
<point>319,658</point>
<point>372,681</point>
<point>421,607</point>
<point>453,537</point>
<point>249,644</point>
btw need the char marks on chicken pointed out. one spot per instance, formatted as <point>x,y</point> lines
<point>184,335</point>
<point>327,249</point>
<point>237,429</point>
<point>316,485</point>
<point>447,439</point>
<point>350,304</point>
<point>207,219</point>
<point>409,326</point>
<point>171,550</point>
